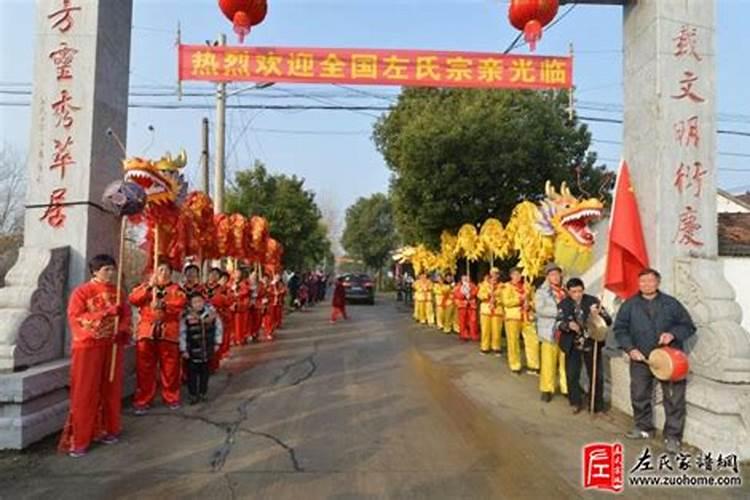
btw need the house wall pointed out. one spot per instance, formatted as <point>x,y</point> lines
<point>726,205</point>
<point>737,272</point>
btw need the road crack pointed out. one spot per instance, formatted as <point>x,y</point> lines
<point>233,428</point>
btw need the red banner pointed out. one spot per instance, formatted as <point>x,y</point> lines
<point>374,67</point>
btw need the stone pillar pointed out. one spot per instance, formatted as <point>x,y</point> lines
<point>81,72</point>
<point>670,145</point>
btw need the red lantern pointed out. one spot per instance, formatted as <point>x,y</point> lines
<point>244,14</point>
<point>531,16</point>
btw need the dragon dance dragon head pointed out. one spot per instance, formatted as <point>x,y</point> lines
<point>567,219</point>
<point>162,180</point>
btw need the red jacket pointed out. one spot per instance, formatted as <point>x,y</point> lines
<point>162,323</point>
<point>197,288</point>
<point>92,312</point>
<point>462,302</point>
<point>217,296</point>
<point>238,295</point>
<point>339,295</point>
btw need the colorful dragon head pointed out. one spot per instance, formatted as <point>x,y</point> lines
<point>162,180</point>
<point>567,219</point>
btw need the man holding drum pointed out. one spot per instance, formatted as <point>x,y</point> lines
<point>646,321</point>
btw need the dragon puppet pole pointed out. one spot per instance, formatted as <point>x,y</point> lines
<point>118,295</point>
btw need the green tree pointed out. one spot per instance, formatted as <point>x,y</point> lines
<point>292,213</point>
<point>461,156</point>
<point>369,232</point>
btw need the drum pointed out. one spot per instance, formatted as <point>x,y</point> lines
<point>596,327</point>
<point>668,364</point>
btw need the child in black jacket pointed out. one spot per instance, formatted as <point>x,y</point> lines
<point>201,333</point>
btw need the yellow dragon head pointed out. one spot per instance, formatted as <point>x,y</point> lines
<point>566,218</point>
<point>162,180</point>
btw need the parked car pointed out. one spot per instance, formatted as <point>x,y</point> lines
<point>359,287</point>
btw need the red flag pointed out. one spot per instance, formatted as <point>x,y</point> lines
<point>626,251</point>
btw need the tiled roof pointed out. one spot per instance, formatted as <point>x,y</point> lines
<point>734,234</point>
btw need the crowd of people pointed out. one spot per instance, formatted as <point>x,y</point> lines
<point>308,288</point>
<point>548,332</point>
<point>186,327</point>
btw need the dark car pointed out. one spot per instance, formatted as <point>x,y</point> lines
<point>359,287</point>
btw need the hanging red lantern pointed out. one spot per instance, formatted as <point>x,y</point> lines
<point>244,14</point>
<point>531,16</point>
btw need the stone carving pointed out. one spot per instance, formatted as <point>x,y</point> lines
<point>721,349</point>
<point>32,308</point>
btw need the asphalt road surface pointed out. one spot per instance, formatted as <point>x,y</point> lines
<point>376,407</point>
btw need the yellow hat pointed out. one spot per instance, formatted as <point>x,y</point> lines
<point>494,270</point>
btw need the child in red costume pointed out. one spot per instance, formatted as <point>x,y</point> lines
<point>339,301</point>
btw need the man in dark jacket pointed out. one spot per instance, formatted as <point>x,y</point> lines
<point>572,318</point>
<point>646,321</point>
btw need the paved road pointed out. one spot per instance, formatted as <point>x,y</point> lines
<point>373,408</point>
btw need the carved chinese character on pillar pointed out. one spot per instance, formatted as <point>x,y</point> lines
<point>689,173</point>
<point>63,108</point>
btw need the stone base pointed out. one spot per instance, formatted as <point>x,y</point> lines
<point>34,403</point>
<point>718,414</point>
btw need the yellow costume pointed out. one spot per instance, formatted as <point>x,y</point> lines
<point>518,301</point>
<point>450,318</point>
<point>423,299</point>
<point>438,316</point>
<point>490,315</point>
<point>430,308</point>
<point>442,293</point>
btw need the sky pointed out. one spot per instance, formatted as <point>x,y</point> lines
<point>333,150</point>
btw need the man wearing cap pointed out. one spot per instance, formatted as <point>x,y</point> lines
<point>644,322</point>
<point>491,312</point>
<point>546,299</point>
<point>518,302</point>
<point>572,319</point>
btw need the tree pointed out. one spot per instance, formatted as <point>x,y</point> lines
<point>370,233</point>
<point>293,216</point>
<point>12,192</point>
<point>461,155</point>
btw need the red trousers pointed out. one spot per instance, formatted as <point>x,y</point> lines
<point>223,348</point>
<point>255,322</point>
<point>277,315</point>
<point>152,357</point>
<point>467,323</point>
<point>338,312</point>
<point>269,326</point>
<point>95,402</point>
<point>241,324</point>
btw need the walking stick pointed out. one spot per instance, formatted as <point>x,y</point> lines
<point>593,378</point>
<point>118,295</point>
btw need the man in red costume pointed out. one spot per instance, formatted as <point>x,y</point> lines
<point>160,304</point>
<point>216,294</point>
<point>278,310</point>
<point>239,299</point>
<point>273,294</point>
<point>258,302</point>
<point>465,297</point>
<point>339,301</point>
<point>95,399</point>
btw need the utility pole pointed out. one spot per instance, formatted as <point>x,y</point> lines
<point>204,155</point>
<point>221,114</point>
